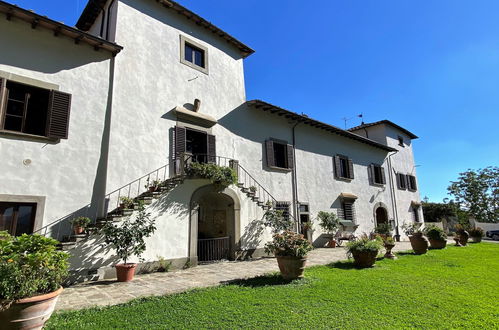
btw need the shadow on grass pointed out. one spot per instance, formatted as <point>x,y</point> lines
<point>260,281</point>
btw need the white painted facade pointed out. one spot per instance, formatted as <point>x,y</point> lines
<point>149,81</point>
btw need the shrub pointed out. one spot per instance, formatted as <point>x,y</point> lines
<point>30,265</point>
<point>276,220</point>
<point>328,221</point>
<point>476,232</point>
<point>218,174</point>
<point>383,229</point>
<point>288,243</point>
<point>127,202</point>
<point>435,233</point>
<point>389,241</point>
<point>80,222</point>
<point>364,244</point>
<point>127,237</point>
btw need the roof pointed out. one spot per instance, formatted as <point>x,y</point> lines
<point>387,122</point>
<point>14,12</point>
<point>93,8</point>
<point>264,106</point>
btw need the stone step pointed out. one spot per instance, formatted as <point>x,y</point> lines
<point>240,185</point>
<point>65,246</point>
<point>74,238</point>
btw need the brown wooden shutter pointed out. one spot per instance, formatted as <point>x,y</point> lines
<point>180,138</point>
<point>269,148</point>
<point>290,155</point>
<point>350,169</point>
<point>58,115</point>
<point>370,173</point>
<point>414,185</point>
<point>337,166</point>
<point>212,149</point>
<point>399,184</point>
<point>383,177</point>
<point>3,82</point>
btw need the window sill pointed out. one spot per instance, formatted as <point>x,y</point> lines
<point>279,169</point>
<point>194,66</point>
<point>343,179</point>
<point>27,137</point>
<point>379,185</point>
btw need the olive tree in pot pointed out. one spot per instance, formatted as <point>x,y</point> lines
<point>364,251</point>
<point>418,242</point>
<point>32,271</point>
<point>329,222</point>
<point>128,239</point>
<point>436,236</point>
<point>79,224</point>
<point>291,251</point>
<point>476,234</point>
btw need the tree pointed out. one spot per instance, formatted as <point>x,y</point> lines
<point>477,191</point>
<point>435,212</point>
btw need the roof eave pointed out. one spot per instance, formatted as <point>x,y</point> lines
<point>315,123</point>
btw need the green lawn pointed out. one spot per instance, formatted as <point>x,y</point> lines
<point>451,288</point>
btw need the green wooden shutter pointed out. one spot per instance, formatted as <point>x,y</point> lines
<point>58,115</point>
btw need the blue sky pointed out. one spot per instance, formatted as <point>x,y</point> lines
<point>429,66</point>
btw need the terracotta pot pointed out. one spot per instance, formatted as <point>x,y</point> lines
<point>125,272</point>
<point>29,313</point>
<point>78,230</point>
<point>437,244</point>
<point>331,243</point>
<point>476,239</point>
<point>463,237</point>
<point>389,254</point>
<point>419,244</point>
<point>291,267</point>
<point>364,259</point>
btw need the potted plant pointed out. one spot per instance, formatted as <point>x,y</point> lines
<point>389,244</point>
<point>153,185</point>
<point>364,251</point>
<point>308,229</point>
<point>276,221</point>
<point>418,242</point>
<point>329,222</point>
<point>476,234</point>
<point>126,203</point>
<point>222,175</point>
<point>79,224</point>
<point>291,251</point>
<point>436,236</point>
<point>31,273</point>
<point>384,230</point>
<point>463,234</point>
<point>127,238</point>
<point>252,189</point>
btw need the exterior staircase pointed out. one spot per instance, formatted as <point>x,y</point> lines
<point>246,183</point>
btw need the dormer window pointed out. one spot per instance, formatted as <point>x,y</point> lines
<point>193,54</point>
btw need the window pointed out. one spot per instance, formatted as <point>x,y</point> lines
<point>279,154</point>
<point>401,181</point>
<point>193,54</point>
<point>284,207</point>
<point>411,183</point>
<point>304,218</point>
<point>377,174</point>
<point>401,141</point>
<point>347,211</point>
<point>33,110</point>
<point>17,218</point>
<point>343,167</point>
<point>415,210</point>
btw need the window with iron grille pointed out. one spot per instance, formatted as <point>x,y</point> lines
<point>347,211</point>
<point>284,207</point>
<point>415,211</point>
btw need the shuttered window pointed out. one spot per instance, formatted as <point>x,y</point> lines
<point>284,207</point>
<point>33,110</point>
<point>347,211</point>
<point>401,181</point>
<point>376,174</point>
<point>279,154</point>
<point>343,167</point>
<point>411,182</point>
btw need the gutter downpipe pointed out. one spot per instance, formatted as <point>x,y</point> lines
<point>392,195</point>
<point>294,182</point>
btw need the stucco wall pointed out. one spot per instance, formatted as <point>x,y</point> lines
<point>64,172</point>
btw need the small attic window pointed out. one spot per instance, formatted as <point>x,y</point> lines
<point>401,141</point>
<point>193,54</point>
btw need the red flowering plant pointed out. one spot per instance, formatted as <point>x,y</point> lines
<point>288,243</point>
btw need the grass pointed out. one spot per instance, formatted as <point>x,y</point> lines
<point>445,289</point>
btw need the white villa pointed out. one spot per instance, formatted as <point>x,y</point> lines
<point>137,91</point>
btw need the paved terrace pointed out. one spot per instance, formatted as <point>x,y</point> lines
<point>110,292</point>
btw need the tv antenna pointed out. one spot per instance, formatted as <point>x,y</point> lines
<point>345,119</point>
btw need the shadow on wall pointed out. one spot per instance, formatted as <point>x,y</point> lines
<point>41,51</point>
<point>252,236</point>
<point>177,21</point>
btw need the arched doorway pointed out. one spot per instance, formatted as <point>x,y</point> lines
<point>215,231</point>
<point>381,215</point>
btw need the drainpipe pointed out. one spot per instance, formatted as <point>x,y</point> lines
<point>108,18</point>
<point>294,183</point>
<point>392,195</point>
